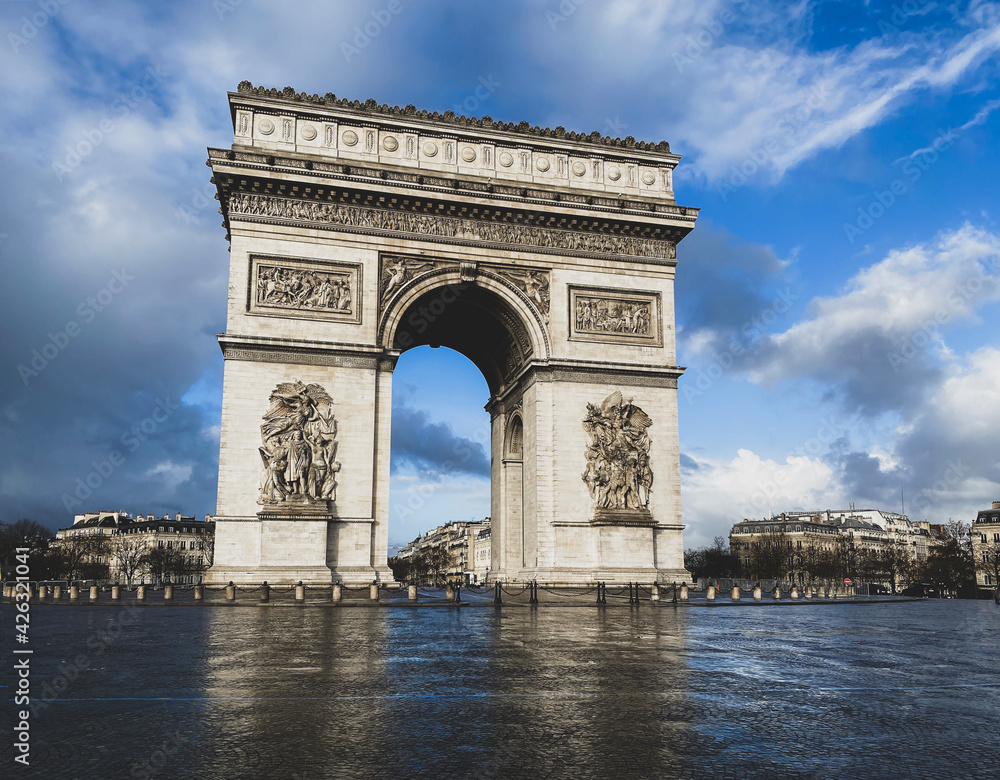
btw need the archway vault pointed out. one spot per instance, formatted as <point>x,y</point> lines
<point>547,257</point>
<point>474,311</point>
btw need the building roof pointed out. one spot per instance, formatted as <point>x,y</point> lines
<point>372,107</point>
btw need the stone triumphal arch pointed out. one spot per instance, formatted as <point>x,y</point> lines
<point>358,231</point>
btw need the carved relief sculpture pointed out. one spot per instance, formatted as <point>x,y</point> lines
<point>268,206</point>
<point>299,446</point>
<point>534,284</point>
<point>296,288</point>
<point>396,272</point>
<point>608,315</point>
<point>618,474</point>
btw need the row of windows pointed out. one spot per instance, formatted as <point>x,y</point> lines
<point>183,545</point>
<point>996,538</point>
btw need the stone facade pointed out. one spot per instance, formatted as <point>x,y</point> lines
<point>867,530</point>
<point>986,546</point>
<point>358,231</point>
<point>192,540</point>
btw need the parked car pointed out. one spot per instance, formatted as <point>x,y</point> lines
<point>923,590</point>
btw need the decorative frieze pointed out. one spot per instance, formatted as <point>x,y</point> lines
<point>283,287</point>
<point>615,316</point>
<point>504,233</point>
<point>617,474</point>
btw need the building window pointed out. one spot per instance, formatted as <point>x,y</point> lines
<point>183,545</point>
<point>159,543</point>
<point>170,545</point>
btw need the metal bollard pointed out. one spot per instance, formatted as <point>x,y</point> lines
<point>265,593</point>
<point>710,593</point>
<point>57,591</point>
<point>337,595</point>
<point>116,592</point>
<point>300,593</point>
<point>43,591</point>
<point>776,593</point>
<point>411,593</point>
<point>809,593</point>
<point>140,593</point>
<point>655,595</point>
<point>168,592</point>
<point>199,592</point>
<point>821,591</point>
<point>684,592</point>
<point>735,593</point>
<point>758,594</point>
<point>230,592</point>
<point>794,592</point>
<point>373,592</point>
<point>94,593</point>
<point>74,592</point>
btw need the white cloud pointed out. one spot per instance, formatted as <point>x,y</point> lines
<point>719,493</point>
<point>901,302</point>
<point>171,475</point>
<point>739,85</point>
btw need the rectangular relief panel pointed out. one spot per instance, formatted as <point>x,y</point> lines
<point>615,316</point>
<point>310,289</point>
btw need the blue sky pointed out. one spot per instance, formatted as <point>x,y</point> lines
<point>837,306</point>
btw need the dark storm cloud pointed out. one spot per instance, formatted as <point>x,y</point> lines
<point>688,464</point>
<point>433,448</point>
<point>856,371</point>
<point>728,288</point>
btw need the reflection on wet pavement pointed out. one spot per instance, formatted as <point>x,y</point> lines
<point>889,690</point>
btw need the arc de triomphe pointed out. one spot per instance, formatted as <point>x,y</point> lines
<point>358,231</point>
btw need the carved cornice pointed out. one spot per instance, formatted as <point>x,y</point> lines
<point>263,350</point>
<point>253,207</point>
<point>373,108</point>
<point>621,205</point>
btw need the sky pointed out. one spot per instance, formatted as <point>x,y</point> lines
<point>837,304</point>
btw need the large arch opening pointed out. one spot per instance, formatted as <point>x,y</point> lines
<point>497,334</point>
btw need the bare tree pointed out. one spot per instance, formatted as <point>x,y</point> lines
<point>128,553</point>
<point>84,557</point>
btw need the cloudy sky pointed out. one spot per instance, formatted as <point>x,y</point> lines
<point>837,305</point>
